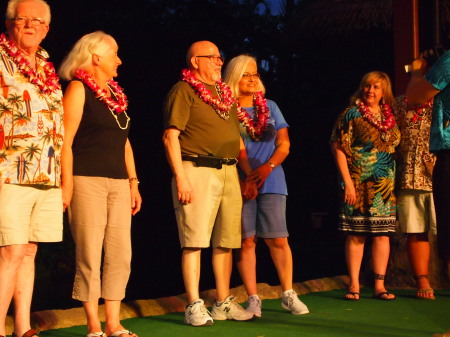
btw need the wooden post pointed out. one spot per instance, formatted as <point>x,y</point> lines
<point>406,40</point>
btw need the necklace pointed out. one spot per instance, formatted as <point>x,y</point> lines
<point>258,124</point>
<point>119,105</point>
<point>46,80</point>
<point>116,116</point>
<point>222,105</point>
<point>383,126</point>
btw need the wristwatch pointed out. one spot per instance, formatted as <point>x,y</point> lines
<point>272,165</point>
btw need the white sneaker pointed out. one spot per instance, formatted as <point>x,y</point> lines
<point>291,302</point>
<point>196,314</point>
<point>254,305</point>
<point>229,309</point>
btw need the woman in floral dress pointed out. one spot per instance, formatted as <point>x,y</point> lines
<point>363,144</point>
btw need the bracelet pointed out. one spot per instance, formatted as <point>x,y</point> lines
<point>133,179</point>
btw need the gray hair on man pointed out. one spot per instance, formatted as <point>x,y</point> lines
<point>11,9</point>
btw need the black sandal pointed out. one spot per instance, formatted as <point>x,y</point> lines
<point>380,296</point>
<point>352,293</point>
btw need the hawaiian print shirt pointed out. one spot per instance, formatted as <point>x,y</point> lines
<point>31,127</point>
<point>415,163</point>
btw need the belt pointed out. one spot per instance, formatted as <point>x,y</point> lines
<point>210,161</point>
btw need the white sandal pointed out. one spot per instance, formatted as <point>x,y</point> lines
<point>120,332</point>
<point>96,334</point>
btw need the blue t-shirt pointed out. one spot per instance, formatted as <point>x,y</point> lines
<point>260,152</point>
<point>439,77</point>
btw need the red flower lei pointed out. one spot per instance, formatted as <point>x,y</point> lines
<point>118,106</point>
<point>47,82</point>
<point>389,119</point>
<point>420,109</point>
<point>257,125</point>
<point>222,105</point>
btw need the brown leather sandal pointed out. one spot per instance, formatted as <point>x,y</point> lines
<point>29,333</point>
<point>424,291</point>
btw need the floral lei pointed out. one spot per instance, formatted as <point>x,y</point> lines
<point>222,104</point>
<point>118,106</point>
<point>420,110</point>
<point>389,119</point>
<point>47,82</point>
<point>257,125</point>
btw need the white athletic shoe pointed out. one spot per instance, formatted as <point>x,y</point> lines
<point>291,302</point>
<point>196,314</point>
<point>254,305</point>
<point>229,309</point>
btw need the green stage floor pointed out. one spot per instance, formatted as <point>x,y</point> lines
<point>330,315</point>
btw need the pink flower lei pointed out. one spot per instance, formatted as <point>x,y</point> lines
<point>389,119</point>
<point>47,82</point>
<point>118,106</point>
<point>257,125</point>
<point>222,104</point>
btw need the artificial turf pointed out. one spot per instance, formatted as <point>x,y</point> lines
<point>330,315</point>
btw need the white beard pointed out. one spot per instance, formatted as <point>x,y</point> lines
<point>216,76</point>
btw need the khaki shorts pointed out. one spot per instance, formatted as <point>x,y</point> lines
<point>29,214</point>
<point>215,214</point>
<point>415,211</point>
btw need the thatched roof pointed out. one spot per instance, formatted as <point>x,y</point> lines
<point>337,16</point>
<point>342,16</point>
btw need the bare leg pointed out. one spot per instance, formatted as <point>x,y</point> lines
<point>354,250</point>
<point>91,311</point>
<point>419,257</point>
<point>247,264</point>
<point>11,258</point>
<point>282,258</point>
<point>222,266</point>
<point>23,291</point>
<point>190,266</point>
<point>112,315</point>
<point>380,258</point>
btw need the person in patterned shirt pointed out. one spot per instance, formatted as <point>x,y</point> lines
<point>31,135</point>
<point>436,84</point>
<point>415,203</point>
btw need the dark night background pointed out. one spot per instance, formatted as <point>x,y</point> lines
<point>313,61</point>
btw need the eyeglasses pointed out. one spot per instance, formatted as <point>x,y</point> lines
<point>213,57</point>
<point>21,20</point>
<point>248,76</point>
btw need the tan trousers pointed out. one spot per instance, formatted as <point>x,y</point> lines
<point>100,222</point>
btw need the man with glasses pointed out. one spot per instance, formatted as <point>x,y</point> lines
<point>202,142</point>
<point>31,132</point>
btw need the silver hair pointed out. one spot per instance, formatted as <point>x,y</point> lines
<point>234,71</point>
<point>79,56</point>
<point>11,9</point>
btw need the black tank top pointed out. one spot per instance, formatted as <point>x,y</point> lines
<point>99,144</point>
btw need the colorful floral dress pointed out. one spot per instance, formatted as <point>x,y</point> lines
<point>370,159</point>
